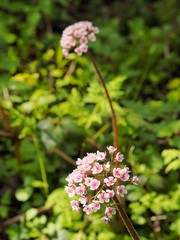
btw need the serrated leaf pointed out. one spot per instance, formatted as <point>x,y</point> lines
<point>170,154</point>
<point>174,165</point>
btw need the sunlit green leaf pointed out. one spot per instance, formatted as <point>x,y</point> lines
<point>31,213</point>
<point>23,194</point>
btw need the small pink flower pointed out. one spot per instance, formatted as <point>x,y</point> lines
<point>84,167</point>
<point>126,169</point>
<point>92,37</point>
<point>79,161</point>
<point>110,192</point>
<point>105,219</point>
<point>121,174</point>
<point>124,176</point>
<point>88,181</point>
<point>78,50</point>
<point>101,156</point>
<point>107,166</point>
<point>135,180</point>
<point>77,34</point>
<point>110,211</point>
<point>75,177</point>
<point>103,197</point>
<point>121,190</point>
<point>87,209</point>
<point>94,184</point>
<point>96,205</point>
<point>110,181</point>
<point>69,179</point>
<point>80,190</point>
<point>117,172</point>
<point>65,52</point>
<point>90,158</point>
<point>83,200</point>
<point>75,205</point>
<point>78,178</point>
<point>95,29</point>
<point>83,47</point>
<point>119,157</point>
<point>83,40</point>
<point>71,190</point>
<point>111,149</point>
<point>97,168</point>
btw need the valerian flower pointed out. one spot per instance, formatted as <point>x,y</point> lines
<point>96,181</point>
<point>76,37</point>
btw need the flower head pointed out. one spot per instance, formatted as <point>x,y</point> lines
<point>76,37</point>
<point>96,181</point>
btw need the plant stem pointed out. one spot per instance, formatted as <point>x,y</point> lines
<point>127,222</point>
<point>113,115</point>
<point>65,156</point>
<point>21,216</point>
<point>41,165</point>
<point>13,136</point>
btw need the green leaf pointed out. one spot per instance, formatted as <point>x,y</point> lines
<point>31,213</point>
<point>39,184</point>
<point>3,211</point>
<point>170,154</point>
<point>173,166</point>
<point>23,194</point>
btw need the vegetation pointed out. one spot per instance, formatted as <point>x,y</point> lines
<point>53,110</point>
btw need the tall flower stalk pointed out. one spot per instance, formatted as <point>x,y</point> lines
<point>113,114</point>
<point>96,183</point>
<point>75,37</point>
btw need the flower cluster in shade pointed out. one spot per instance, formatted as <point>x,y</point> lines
<point>75,37</point>
<point>96,180</point>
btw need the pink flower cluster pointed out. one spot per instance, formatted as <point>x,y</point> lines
<point>96,180</point>
<point>76,37</point>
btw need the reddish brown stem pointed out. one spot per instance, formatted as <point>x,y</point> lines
<point>15,139</point>
<point>6,120</point>
<point>127,222</point>
<point>113,115</point>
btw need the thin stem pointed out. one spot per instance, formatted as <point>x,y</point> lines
<point>65,156</point>
<point>127,222</point>
<point>113,115</point>
<point>21,216</point>
<point>13,136</point>
<point>41,165</point>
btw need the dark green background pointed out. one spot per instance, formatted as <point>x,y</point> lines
<point>54,106</point>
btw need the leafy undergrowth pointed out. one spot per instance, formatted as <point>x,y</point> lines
<point>53,111</point>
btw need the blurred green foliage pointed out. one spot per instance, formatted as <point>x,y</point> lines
<point>59,103</point>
